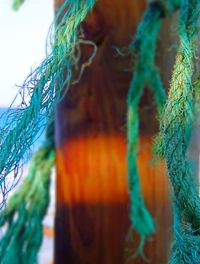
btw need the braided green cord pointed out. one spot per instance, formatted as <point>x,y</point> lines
<point>44,87</point>
<point>177,121</point>
<point>25,211</point>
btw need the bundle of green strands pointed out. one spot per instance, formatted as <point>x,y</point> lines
<point>48,84</point>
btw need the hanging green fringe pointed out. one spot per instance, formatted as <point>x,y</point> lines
<point>176,127</point>
<point>141,219</point>
<point>25,211</point>
<point>42,91</point>
<point>145,73</point>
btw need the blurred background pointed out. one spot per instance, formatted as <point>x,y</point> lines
<point>22,48</point>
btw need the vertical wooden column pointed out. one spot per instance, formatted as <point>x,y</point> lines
<point>92,215</point>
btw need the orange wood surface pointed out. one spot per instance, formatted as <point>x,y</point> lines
<point>92,223</point>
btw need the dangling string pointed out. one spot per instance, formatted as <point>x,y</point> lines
<point>41,91</point>
<point>22,218</point>
<point>145,73</point>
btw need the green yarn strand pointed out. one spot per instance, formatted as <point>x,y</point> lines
<point>177,122</point>
<point>146,73</point>
<point>143,48</point>
<point>179,116</point>
<point>42,91</point>
<point>25,211</point>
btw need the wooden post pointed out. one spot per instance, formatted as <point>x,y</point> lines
<point>92,215</point>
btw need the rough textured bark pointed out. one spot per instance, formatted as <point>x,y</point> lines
<point>92,223</point>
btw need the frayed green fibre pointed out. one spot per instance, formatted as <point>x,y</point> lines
<point>17,4</point>
<point>22,218</point>
<point>145,72</point>
<point>186,248</point>
<point>42,91</point>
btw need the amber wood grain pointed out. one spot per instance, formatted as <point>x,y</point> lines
<point>92,216</point>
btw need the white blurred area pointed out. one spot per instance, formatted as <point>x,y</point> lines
<point>22,47</point>
<point>23,42</point>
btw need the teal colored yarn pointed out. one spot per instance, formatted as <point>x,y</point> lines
<point>42,91</point>
<point>21,220</point>
<point>186,247</point>
<point>176,126</point>
<point>145,73</point>
<point>25,211</point>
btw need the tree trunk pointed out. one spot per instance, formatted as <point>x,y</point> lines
<point>92,216</point>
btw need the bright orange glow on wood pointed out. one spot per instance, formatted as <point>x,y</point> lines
<point>91,170</point>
